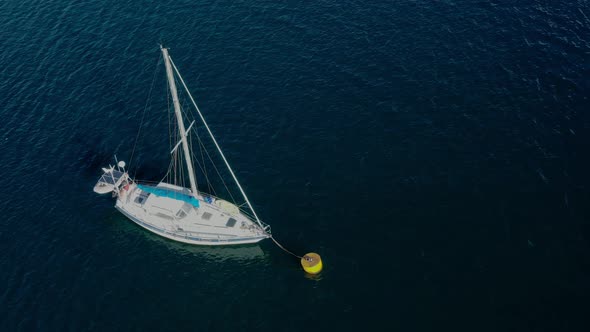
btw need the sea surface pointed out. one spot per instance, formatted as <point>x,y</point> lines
<point>434,153</point>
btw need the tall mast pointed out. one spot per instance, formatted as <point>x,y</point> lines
<point>187,154</point>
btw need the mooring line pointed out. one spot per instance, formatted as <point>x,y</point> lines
<point>280,246</point>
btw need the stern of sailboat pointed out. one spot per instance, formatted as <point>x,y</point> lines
<point>112,180</point>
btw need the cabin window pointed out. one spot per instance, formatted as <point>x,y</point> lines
<point>184,210</point>
<point>141,198</point>
<point>231,222</point>
<point>206,216</point>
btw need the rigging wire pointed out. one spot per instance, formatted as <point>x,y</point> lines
<point>191,117</point>
<point>171,131</point>
<point>204,168</point>
<point>218,173</point>
<point>217,145</point>
<point>147,102</point>
<point>172,165</point>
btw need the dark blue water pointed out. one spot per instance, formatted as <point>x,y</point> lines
<point>435,153</point>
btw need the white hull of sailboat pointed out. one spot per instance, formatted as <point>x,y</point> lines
<point>213,223</point>
<point>185,237</point>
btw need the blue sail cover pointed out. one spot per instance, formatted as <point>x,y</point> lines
<point>162,192</point>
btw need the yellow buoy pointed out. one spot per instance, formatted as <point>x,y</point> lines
<point>312,263</point>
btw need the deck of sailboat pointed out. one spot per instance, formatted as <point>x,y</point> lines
<point>210,223</point>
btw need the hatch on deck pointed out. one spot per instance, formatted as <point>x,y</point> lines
<point>231,222</point>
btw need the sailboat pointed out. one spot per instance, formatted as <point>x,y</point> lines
<point>174,211</point>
